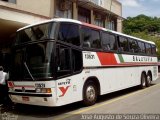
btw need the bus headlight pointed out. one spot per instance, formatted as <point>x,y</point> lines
<point>43,90</point>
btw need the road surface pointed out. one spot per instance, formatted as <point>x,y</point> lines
<point>123,103</point>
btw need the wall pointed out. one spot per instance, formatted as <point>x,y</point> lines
<point>113,6</point>
<point>39,7</point>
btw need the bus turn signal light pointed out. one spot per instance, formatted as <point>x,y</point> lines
<point>43,90</point>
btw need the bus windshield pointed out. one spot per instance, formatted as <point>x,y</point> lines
<point>35,33</point>
<point>33,61</point>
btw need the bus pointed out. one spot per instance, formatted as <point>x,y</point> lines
<point>62,61</point>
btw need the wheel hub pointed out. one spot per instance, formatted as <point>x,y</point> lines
<point>90,93</point>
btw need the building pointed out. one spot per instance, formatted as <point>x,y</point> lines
<point>18,13</point>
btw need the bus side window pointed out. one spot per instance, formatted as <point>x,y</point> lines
<point>69,33</point>
<point>113,43</point>
<point>95,42</point>
<point>148,48</point>
<point>153,49</point>
<point>86,37</point>
<point>123,44</point>
<point>106,41</point>
<point>133,46</point>
<point>141,47</point>
<point>109,41</point>
<point>90,38</point>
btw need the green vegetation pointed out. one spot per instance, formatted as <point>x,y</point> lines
<point>144,27</point>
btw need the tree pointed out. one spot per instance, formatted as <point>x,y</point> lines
<point>143,27</point>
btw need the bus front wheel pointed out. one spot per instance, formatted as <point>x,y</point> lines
<point>90,94</point>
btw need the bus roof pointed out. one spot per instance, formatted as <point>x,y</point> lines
<point>125,35</point>
<point>51,20</point>
<point>85,24</point>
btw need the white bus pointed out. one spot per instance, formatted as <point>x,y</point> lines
<point>61,61</point>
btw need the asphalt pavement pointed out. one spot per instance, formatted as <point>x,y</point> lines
<point>142,103</point>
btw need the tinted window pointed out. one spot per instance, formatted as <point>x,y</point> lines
<point>91,38</point>
<point>76,60</point>
<point>68,60</point>
<point>141,47</point>
<point>153,49</point>
<point>123,44</point>
<point>109,41</point>
<point>86,36</point>
<point>35,33</point>
<point>63,61</point>
<point>32,62</point>
<point>133,45</point>
<point>69,33</point>
<point>96,43</point>
<point>148,48</point>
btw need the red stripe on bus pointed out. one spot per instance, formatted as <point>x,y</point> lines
<point>107,58</point>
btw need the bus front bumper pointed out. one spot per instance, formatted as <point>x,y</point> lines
<point>33,99</point>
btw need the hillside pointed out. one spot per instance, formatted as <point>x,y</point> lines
<point>144,27</point>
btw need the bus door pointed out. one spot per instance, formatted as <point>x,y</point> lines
<point>69,65</point>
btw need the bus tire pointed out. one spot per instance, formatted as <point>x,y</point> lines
<point>149,79</point>
<point>90,94</point>
<point>143,81</point>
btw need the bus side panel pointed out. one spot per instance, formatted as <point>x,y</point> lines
<point>69,89</point>
<point>119,71</point>
<point>118,79</point>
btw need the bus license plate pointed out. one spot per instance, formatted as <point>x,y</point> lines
<point>25,98</point>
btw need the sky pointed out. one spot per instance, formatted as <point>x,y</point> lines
<point>133,8</point>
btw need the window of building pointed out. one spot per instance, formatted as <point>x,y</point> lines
<point>112,25</point>
<point>99,22</point>
<point>98,2</point>
<point>141,47</point>
<point>123,44</point>
<point>91,38</point>
<point>109,41</point>
<point>69,33</point>
<point>99,19</point>
<point>148,48</point>
<point>133,45</point>
<point>11,1</point>
<point>63,9</point>
<point>84,15</point>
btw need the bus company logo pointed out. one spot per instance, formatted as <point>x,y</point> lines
<point>142,59</point>
<point>67,82</point>
<point>63,90</point>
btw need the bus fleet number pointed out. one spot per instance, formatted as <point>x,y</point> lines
<point>89,56</point>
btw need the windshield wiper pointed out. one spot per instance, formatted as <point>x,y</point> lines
<point>25,64</point>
